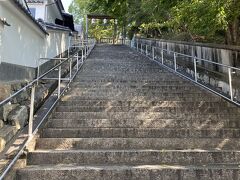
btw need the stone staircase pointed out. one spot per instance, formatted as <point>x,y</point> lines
<point>125,118</point>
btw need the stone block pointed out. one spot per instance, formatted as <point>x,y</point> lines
<point>1,123</point>
<point>5,91</point>
<point>6,134</point>
<point>6,109</point>
<point>18,117</point>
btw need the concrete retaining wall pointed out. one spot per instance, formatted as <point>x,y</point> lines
<point>229,55</point>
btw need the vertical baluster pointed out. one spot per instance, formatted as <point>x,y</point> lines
<point>153,53</point>
<point>230,83</point>
<point>175,62</point>
<point>59,80</point>
<point>70,69</point>
<point>162,56</point>
<point>195,69</point>
<point>77,61</point>
<point>31,114</point>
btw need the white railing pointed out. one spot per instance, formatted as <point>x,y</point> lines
<point>194,69</point>
<point>84,48</point>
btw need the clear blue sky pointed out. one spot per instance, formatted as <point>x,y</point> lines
<point>66,4</point>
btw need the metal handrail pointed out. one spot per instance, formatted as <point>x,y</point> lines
<point>201,59</point>
<point>135,44</point>
<point>32,85</point>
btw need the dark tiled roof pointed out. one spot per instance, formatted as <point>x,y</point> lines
<point>28,14</point>
<point>56,27</point>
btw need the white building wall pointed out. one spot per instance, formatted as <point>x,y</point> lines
<point>56,43</point>
<point>51,15</point>
<point>1,31</point>
<point>47,11</point>
<point>40,10</point>
<point>23,43</point>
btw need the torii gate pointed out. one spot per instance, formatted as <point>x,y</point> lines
<point>101,17</point>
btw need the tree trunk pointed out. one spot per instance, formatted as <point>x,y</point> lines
<point>232,33</point>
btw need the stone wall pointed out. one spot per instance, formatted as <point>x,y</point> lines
<point>229,55</point>
<point>209,74</point>
<point>15,114</point>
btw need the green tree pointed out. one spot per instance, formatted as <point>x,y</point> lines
<point>201,20</point>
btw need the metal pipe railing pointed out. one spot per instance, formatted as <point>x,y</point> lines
<point>153,55</point>
<point>88,46</point>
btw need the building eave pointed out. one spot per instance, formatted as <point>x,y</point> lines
<point>57,27</point>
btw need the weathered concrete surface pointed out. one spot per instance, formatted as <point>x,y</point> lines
<point>126,118</point>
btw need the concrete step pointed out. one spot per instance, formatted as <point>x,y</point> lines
<point>88,69</point>
<point>136,157</point>
<point>137,143</point>
<point>121,74</point>
<point>140,93</point>
<point>135,97</point>
<point>157,81</point>
<point>143,115</point>
<point>129,77</point>
<point>137,91</point>
<point>105,64</point>
<point>144,123</point>
<point>132,103</point>
<point>139,87</point>
<point>139,133</point>
<point>127,172</point>
<point>123,86</point>
<point>126,81</point>
<point>174,110</point>
<point>129,83</point>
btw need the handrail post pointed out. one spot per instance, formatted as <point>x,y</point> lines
<point>230,83</point>
<point>68,51</point>
<point>82,55</point>
<point>77,61</point>
<point>70,69</point>
<point>195,69</point>
<point>137,45</point>
<point>153,53</point>
<point>38,70</point>
<point>85,48</point>
<point>175,62</point>
<point>162,56</point>
<point>141,48</point>
<point>146,50</point>
<point>31,114</point>
<point>59,80</point>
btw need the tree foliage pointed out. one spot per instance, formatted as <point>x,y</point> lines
<point>200,20</point>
